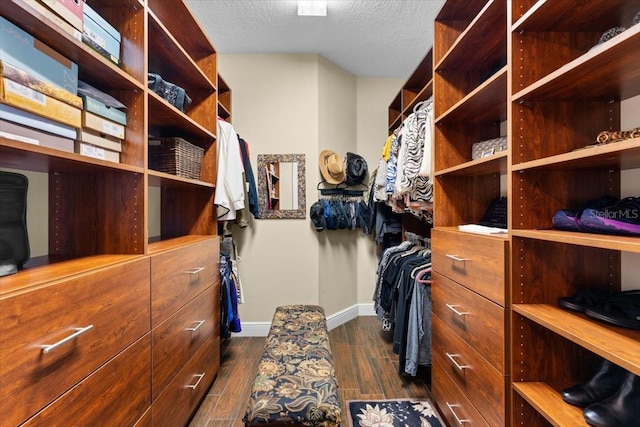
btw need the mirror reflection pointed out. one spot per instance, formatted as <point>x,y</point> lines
<point>281,186</point>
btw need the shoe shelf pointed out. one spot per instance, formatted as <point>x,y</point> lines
<point>619,345</point>
<point>566,89</point>
<point>602,241</point>
<point>548,404</point>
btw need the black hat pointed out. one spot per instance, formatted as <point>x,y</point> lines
<point>356,169</point>
<point>317,215</point>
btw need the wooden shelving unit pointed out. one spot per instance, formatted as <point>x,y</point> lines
<point>571,91</point>
<point>99,222</point>
<point>470,270</point>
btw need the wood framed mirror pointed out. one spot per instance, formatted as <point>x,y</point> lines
<point>281,186</point>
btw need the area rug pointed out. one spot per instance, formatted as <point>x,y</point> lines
<point>393,413</point>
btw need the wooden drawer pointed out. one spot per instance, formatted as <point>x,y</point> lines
<point>117,394</point>
<point>484,386</point>
<point>475,261</point>
<point>178,275</point>
<point>111,304</point>
<point>451,401</point>
<point>183,395</point>
<point>477,320</point>
<point>177,339</point>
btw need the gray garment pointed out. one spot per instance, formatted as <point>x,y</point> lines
<point>419,329</point>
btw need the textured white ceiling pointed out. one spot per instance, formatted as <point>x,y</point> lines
<point>368,38</point>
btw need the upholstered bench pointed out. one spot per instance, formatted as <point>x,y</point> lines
<point>295,384</point>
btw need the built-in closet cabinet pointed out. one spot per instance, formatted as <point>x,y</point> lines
<point>565,89</point>
<point>470,371</point>
<point>117,322</point>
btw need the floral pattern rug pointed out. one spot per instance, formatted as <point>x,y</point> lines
<point>392,413</point>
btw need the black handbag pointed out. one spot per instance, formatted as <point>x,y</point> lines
<point>14,239</point>
<point>173,94</point>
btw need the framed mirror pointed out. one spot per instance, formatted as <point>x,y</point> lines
<point>281,186</point>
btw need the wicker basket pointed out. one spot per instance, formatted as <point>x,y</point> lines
<point>175,156</point>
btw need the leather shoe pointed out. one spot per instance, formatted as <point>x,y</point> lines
<point>620,410</point>
<point>604,383</point>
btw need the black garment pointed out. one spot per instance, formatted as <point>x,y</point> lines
<point>250,178</point>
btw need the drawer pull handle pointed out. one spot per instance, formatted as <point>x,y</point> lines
<point>47,348</point>
<point>458,420</point>
<point>455,362</point>
<point>195,270</point>
<point>195,328</point>
<point>457,258</point>
<point>452,307</point>
<point>193,386</point>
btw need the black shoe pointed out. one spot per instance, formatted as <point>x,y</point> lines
<point>604,383</point>
<point>620,410</point>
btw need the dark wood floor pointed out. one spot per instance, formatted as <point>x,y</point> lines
<point>366,368</point>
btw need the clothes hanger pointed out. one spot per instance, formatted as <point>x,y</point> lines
<point>421,274</point>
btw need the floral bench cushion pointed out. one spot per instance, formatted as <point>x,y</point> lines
<point>296,380</point>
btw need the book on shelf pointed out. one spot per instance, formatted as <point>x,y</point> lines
<point>25,98</point>
<point>20,76</point>
<point>16,132</point>
<point>16,115</point>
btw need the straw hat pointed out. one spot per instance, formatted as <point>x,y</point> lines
<point>331,167</point>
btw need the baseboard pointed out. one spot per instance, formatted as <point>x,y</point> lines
<point>261,329</point>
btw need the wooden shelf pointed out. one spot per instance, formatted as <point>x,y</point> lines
<point>549,15</point>
<point>549,403</point>
<point>619,345</point>
<point>24,156</point>
<point>587,77</point>
<point>492,165</point>
<point>481,44</point>
<point>603,241</point>
<point>620,155</point>
<point>486,103</point>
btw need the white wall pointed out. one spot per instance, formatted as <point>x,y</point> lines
<point>275,109</point>
<point>322,107</point>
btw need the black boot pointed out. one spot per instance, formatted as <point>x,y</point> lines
<point>620,410</point>
<point>603,384</point>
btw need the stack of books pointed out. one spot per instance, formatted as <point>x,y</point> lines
<point>38,87</point>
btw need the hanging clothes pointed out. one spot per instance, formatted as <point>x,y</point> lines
<point>229,317</point>
<point>402,301</point>
<point>230,188</point>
